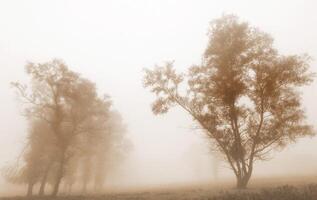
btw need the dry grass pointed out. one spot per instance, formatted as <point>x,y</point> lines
<point>287,192</point>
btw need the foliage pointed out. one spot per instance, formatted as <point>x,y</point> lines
<point>70,126</point>
<point>244,94</point>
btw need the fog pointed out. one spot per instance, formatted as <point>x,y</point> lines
<point>110,42</point>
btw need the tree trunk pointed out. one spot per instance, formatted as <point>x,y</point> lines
<point>60,174</point>
<point>69,188</point>
<point>84,188</point>
<point>97,187</point>
<point>243,181</point>
<point>44,180</point>
<point>30,189</point>
<point>42,187</point>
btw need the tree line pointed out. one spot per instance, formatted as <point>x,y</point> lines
<point>74,135</point>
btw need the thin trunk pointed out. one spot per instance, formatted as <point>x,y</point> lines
<point>84,188</point>
<point>42,187</point>
<point>44,180</point>
<point>30,189</point>
<point>60,174</point>
<point>98,186</point>
<point>69,189</point>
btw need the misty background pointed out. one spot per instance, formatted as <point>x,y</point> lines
<point>110,42</point>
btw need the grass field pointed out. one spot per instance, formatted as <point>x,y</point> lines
<point>261,189</point>
<point>287,192</point>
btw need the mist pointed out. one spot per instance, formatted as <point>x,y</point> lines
<point>110,43</point>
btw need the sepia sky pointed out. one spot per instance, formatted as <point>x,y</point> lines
<point>111,41</point>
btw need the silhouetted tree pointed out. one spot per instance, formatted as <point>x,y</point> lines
<point>243,94</point>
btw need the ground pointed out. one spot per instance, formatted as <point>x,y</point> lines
<point>297,189</point>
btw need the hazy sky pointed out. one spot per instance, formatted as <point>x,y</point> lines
<point>110,42</point>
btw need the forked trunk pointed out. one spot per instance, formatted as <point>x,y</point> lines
<point>242,182</point>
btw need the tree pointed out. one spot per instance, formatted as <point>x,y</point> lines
<point>244,94</point>
<point>73,129</point>
<point>112,149</point>
<point>109,149</point>
<point>35,158</point>
<point>63,100</point>
<point>71,173</point>
<point>42,151</point>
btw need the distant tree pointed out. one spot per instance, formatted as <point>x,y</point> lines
<point>63,100</point>
<point>42,149</point>
<point>70,126</point>
<point>36,155</point>
<point>244,94</point>
<point>109,149</point>
<point>113,149</point>
<point>71,172</point>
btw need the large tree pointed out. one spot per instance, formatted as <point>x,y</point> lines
<point>244,94</point>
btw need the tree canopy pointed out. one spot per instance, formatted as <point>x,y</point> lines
<point>72,130</point>
<point>244,94</point>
